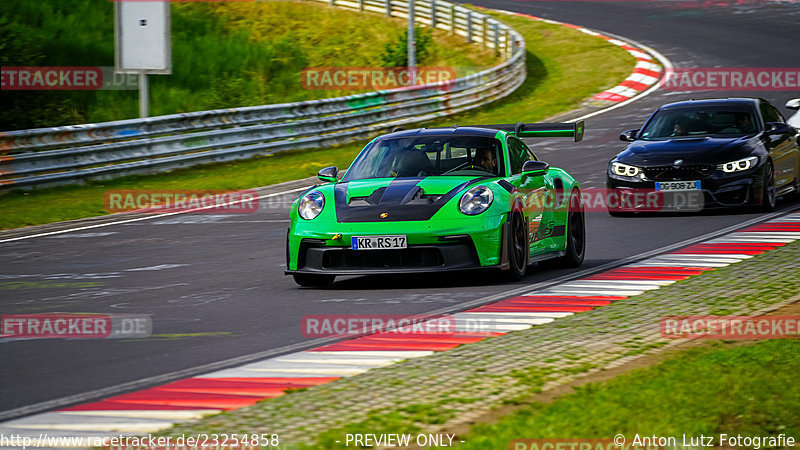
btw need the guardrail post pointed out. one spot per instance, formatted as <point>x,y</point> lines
<point>509,50</point>
<point>361,5</point>
<point>452,18</point>
<point>389,8</point>
<point>433,14</point>
<point>333,2</point>
<point>469,26</point>
<point>496,31</point>
<point>484,33</point>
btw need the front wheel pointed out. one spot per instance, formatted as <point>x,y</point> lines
<point>576,237</point>
<point>767,203</point>
<point>313,280</point>
<point>518,248</point>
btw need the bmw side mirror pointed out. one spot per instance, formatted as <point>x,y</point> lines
<point>628,136</point>
<point>779,128</point>
<point>329,174</point>
<point>535,168</point>
<point>793,104</point>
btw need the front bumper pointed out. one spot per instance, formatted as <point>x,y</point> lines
<point>717,191</point>
<point>458,245</point>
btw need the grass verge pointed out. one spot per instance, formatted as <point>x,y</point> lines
<point>441,392</point>
<point>224,55</point>
<point>746,390</point>
<point>564,68</point>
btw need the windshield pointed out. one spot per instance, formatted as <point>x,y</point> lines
<point>722,121</point>
<point>421,156</point>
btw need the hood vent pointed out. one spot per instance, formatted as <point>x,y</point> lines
<point>414,196</point>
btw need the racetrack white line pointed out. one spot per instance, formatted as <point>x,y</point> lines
<point>156,216</point>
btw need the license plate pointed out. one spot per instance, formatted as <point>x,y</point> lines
<point>673,186</point>
<point>379,242</point>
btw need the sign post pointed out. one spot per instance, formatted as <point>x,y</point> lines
<point>412,44</point>
<point>143,46</point>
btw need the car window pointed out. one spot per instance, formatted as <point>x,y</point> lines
<point>770,114</point>
<point>518,153</point>
<point>700,121</point>
<point>426,155</point>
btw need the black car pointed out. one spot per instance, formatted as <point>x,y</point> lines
<point>706,153</point>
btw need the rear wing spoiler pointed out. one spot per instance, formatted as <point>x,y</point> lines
<point>570,129</point>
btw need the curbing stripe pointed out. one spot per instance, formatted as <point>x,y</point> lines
<point>158,408</point>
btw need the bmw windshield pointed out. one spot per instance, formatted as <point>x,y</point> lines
<point>693,122</point>
<point>421,156</point>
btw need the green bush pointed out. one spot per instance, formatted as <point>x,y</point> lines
<point>223,55</point>
<point>395,53</point>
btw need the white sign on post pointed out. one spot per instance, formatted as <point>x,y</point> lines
<point>143,45</point>
<point>143,36</point>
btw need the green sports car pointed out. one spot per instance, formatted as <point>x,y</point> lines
<point>440,199</point>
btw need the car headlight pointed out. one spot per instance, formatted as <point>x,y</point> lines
<point>476,200</point>
<point>738,165</point>
<point>624,170</point>
<point>311,205</point>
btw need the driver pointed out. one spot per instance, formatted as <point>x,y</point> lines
<point>484,157</point>
<point>681,128</point>
<point>743,122</point>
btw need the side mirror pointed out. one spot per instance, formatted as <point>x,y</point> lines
<point>793,104</point>
<point>774,128</point>
<point>329,174</point>
<point>535,168</point>
<point>628,136</point>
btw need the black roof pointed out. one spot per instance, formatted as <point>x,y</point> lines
<point>738,101</point>
<point>444,131</point>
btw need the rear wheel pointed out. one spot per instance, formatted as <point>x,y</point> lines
<point>313,280</point>
<point>518,248</point>
<point>576,237</point>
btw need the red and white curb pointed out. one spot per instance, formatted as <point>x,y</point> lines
<point>646,72</point>
<point>158,408</point>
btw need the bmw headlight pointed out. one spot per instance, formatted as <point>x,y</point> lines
<point>738,165</point>
<point>624,170</point>
<point>476,200</point>
<point>311,205</point>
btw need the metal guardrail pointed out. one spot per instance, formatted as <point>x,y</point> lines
<point>62,155</point>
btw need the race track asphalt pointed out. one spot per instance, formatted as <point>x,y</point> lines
<point>214,285</point>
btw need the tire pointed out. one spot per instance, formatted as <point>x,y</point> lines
<point>313,280</point>
<point>518,248</point>
<point>794,196</point>
<point>767,199</point>
<point>576,237</point>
